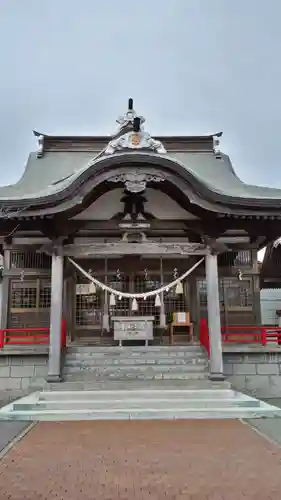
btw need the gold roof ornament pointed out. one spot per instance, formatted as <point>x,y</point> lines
<point>134,137</point>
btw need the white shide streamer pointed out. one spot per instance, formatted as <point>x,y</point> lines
<point>135,295</point>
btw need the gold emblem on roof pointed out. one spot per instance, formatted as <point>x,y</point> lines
<point>135,139</point>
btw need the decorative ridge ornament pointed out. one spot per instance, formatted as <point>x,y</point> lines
<point>40,139</point>
<point>129,116</point>
<point>136,138</point>
<point>135,181</point>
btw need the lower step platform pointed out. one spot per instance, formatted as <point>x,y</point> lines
<point>141,404</point>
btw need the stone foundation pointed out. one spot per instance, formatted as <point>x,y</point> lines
<point>21,374</point>
<point>258,373</point>
<point>255,371</point>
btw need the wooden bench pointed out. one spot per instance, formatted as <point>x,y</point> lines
<point>181,319</point>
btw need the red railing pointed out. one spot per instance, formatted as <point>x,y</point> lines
<point>204,335</point>
<point>29,336</point>
<point>241,334</point>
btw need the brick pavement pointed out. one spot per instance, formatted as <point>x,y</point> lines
<point>179,460</point>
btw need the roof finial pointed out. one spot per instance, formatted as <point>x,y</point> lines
<point>130,104</point>
<point>127,120</point>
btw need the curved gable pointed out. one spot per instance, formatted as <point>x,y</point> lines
<point>59,173</point>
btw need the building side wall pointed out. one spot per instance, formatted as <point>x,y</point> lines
<point>256,373</point>
<point>20,374</point>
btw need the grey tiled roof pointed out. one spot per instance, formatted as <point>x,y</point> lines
<point>55,171</point>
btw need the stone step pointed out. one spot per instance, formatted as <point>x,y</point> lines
<point>134,394</point>
<point>182,355</point>
<point>137,371</point>
<point>157,406</point>
<point>90,378</point>
<point>134,404</point>
<point>82,385</point>
<point>135,350</point>
<point>127,362</point>
<point>134,368</point>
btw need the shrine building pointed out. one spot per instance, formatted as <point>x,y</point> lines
<point>148,232</point>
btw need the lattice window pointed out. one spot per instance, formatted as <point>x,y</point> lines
<point>88,310</point>
<point>122,284</point>
<point>233,293</point>
<point>173,301</point>
<point>30,295</point>
<point>29,260</point>
<point>146,283</point>
<point>45,295</point>
<point>202,292</point>
<point>243,258</point>
<point>238,294</point>
<point>23,295</point>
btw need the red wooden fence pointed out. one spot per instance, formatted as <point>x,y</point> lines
<point>29,336</point>
<point>241,334</point>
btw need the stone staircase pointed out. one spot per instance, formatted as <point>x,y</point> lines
<point>136,383</point>
<point>90,363</point>
<point>131,404</point>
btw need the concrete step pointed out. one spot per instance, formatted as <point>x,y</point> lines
<point>131,377</point>
<point>135,350</point>
<point>114,360</point>
<point>149,405</point>
<point>130,360</point>
<point>134,394</point>
<point>135,368</point>
<point>135,404</point>
<point>82,385</point>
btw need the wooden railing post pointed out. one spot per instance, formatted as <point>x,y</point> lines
<point>2,338</point>
<point>263,336</point>
<point>204,335</point>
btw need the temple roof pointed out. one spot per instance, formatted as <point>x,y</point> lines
<point>57,170</point>
<point>63,161</point>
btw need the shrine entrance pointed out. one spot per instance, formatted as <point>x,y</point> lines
<point>129,275</point>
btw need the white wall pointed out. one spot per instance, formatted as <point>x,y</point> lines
<point>270,301</point>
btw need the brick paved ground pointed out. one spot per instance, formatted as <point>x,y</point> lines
<point>198,460</point>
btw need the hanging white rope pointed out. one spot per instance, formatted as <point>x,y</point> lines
<point>135,295</point>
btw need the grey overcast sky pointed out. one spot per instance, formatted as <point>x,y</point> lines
<point>192,67</point>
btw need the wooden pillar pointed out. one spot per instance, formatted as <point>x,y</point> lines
<point>162,308</point>
<point>214,321</point>
<point>5,289</point>
<point>105,316</point>
<point>54,367</point>
<point>256,288</point>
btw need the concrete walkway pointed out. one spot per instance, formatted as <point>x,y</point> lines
<point>198,460</point>
<point>270,427</point>
<point>9,430</point>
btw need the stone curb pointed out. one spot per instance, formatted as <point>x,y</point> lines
<point>16,439</point>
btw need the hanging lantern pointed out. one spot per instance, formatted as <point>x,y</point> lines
<point>112,300</point>
<point>179,288</point>
<point>120,297</point>
<point>157,301</point>
<point>134,305</point>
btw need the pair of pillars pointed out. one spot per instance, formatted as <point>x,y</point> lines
<point>216,361</point>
